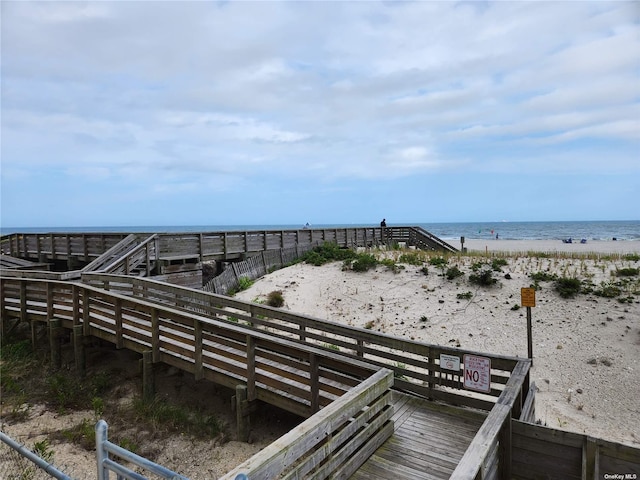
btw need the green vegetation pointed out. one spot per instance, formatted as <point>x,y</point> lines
<point>498,263</point>
<point>244,283</point>
<point>543,276</point>
<point>438,261</point>
<point>361,263</point>
<point>567,287</point>
<point>391,265</point>
<point>177,418</point>
<point>483,277</point>
<point>411,259</point>
<point>608,290</point>
<point>328,252</point>
<point>627,272</point>
<point>464,296</point>
<point>453,273</point>
<point>275,299</point>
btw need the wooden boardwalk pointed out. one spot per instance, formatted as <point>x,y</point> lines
<point>428,442</point>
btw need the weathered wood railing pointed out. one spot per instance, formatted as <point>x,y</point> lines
<point>86,247</point>
<point>417,237</point>
<point>202,245</point>
<point>539,450</point>
<point>254,267</point>
<point>416,365</point>
<point>298,378</point>
<point>144,253</point>
<point>489,455</point>
<point>60,246</point>
<point>333,443</point>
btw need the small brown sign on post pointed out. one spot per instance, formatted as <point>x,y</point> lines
<point>528,297</point>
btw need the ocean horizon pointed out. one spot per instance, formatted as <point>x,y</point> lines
<point>628,230</point>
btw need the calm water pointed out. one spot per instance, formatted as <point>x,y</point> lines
<point>594,230</point>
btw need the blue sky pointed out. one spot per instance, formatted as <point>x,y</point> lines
<point>230,113</point>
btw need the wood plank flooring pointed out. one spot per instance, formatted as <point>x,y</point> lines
<point>428,442</point>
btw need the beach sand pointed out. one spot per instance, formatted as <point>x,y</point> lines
<point>586,349</point>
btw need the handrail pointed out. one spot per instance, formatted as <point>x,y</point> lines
<point>206,347</point>
<point>104,447</point>
<point>413,362</point>
<point>122,261</point>
<point>435,239</point>
<point>204,244</point>
<point>109,254</point>
<point>496,428</point>
<point>307,439</point>
<point>34,458</point>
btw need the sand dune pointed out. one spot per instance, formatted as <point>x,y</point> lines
<point>586,362</point>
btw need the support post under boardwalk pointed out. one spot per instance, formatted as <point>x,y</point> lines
<point>55,328</point>
<point>148,380</point>
<point>79,351</point>
<point>242,413</point>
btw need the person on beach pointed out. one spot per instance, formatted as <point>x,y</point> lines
<point>383,223</point>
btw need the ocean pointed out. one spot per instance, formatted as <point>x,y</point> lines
<point>591,230</point>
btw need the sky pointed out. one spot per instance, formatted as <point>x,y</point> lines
<point>270,113</point>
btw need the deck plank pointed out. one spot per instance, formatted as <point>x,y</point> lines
<point>428,442</point>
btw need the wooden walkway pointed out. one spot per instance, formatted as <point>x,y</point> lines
<point>428,442</point>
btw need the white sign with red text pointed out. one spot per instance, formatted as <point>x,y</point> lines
<point>477,373</point>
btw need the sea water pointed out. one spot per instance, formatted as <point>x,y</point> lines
<point>590,230</point>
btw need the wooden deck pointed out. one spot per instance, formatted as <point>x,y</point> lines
<point>428,442</point>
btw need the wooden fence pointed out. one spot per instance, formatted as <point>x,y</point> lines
<point>543,452</point>
<point>254,267</point>
<point>333,443</point>
<point>86,247</point>
<point>416,365</point>
<point>298,378</point>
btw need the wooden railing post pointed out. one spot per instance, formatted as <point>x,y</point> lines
<point>505,447</point>
<point>590,460</point>
<point>148,380</point>
<point>242,414</point>
<point>314,374</point>
<point>155,335</point>
<point>118,319</point>
<point>75,302</point>
<point>251,368</point>
<point>54,342</point>
<point>199,370</point>
<point>86,317</point>
<point>79,351</point>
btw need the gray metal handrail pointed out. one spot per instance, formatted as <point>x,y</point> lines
<point>33,457</point>
<point>104,447</point>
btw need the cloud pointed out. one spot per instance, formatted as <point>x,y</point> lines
<point>316,92</point>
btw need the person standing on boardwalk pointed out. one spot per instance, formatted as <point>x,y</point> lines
<point>383,223</point>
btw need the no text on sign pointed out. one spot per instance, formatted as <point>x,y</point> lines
<point>477,373</point>
<point>528,297</point>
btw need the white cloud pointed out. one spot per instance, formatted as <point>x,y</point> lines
<point>249,91</point>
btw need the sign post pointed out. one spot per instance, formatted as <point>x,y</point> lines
<point>528,299</point>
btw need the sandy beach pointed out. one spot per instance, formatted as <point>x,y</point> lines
<point>586,362</point>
